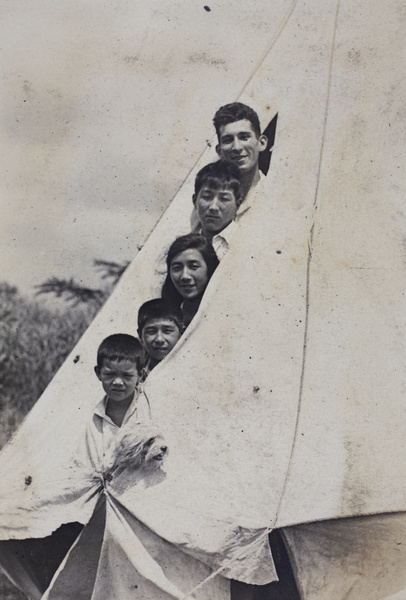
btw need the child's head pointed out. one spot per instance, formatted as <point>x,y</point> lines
<point>159,327</point>
<point>120,359</point>
<point>217,196</point>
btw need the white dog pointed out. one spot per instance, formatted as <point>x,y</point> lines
<point>139,446</point>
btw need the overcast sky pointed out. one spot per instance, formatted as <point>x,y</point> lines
<point>105,108</point>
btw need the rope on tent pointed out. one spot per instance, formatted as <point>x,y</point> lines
<point>228,562</point>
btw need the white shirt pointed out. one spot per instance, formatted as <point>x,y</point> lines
<point>101,432</point>
<point>221,242</point>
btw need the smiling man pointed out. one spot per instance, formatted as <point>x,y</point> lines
<point>240,141</point>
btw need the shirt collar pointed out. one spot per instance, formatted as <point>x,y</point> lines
<point>100,409</point>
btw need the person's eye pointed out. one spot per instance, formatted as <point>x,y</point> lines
<point>226,140</point>
<point>169,330</point>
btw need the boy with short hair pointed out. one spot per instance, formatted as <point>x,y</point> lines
<point>217,197</point>
<point>160,326</point>
<point>120,362</point>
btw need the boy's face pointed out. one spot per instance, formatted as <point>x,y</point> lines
<point>119,378</point>
<point>238,143</point>
<point>159,337</point>
<point>216,208</point>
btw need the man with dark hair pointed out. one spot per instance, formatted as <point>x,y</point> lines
<point>240,141</point>
<point>216,200</point>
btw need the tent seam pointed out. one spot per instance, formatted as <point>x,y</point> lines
<point>308,268</point>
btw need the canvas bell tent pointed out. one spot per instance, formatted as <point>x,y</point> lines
<point>283,404</point>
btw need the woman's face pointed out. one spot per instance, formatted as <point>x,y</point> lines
<point>188,272</point>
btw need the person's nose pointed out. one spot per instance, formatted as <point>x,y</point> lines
<point>214,206</point>
<point>159,338</point>
<point>185,275</point>
<point>236,145</point>
<point>117,381</point>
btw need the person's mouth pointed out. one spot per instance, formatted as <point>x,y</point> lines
<point>239,158</point>
<point>117,392</point>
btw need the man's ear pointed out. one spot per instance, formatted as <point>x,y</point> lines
<point>263,141</point>
<point>97,371</point>
<point>194,198</point>
<point>218,150</point>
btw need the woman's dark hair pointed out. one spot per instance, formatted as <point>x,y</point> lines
<point>186,242</point>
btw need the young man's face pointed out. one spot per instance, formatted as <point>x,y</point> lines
<point>238,143</point>
<point>216,208</point>
<point>119,379</point>
<point>159,337</point>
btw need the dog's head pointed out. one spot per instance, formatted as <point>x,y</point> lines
<point>154,449</point>
<point>141,445</point>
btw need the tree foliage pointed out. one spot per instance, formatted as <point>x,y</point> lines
<point>34,342</point>
<point>35,339</point>
<point>75,293</point>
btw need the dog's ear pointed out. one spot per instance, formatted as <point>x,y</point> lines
<point>130,449</point>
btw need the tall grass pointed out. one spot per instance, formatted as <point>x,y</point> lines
<point>34,342</point>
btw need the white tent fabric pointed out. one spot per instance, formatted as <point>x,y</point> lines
<point>355,558</point>
<point>116,556</point>
<point>284,401</point>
